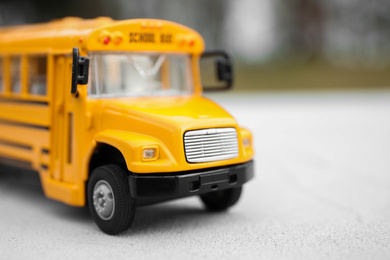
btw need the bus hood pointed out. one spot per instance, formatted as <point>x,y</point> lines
<point>165,113</point>
<point>161,121</point>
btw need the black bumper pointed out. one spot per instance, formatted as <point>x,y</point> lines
<point>182,184</point>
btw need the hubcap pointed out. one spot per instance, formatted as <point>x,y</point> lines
<point>103,200</point>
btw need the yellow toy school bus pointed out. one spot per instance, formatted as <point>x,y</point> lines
<point>111,115</point>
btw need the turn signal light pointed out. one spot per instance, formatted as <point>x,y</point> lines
<point>106,37</point>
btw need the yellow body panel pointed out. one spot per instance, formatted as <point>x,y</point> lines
<point>25,113</point>
<point>57,134</point>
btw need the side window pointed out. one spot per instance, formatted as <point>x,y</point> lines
<point>1,74</point>
<point>37,70</point>
<point>15,74</point>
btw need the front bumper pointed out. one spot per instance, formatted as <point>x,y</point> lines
<point>182,184</point>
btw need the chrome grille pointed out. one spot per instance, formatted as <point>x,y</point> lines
<point>209,145</point>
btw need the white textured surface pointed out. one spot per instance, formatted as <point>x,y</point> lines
<point>322,191</point>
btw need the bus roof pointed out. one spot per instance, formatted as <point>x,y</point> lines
<point>99,34</point>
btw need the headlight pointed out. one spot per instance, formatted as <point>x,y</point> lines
<point>150,153</point>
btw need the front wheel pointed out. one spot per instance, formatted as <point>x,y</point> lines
<point>222,199</point>
<point>109,199</point>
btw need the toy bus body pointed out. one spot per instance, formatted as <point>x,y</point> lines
<point>65,137</point>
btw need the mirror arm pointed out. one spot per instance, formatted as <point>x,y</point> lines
<point>80,70</point>
<point>211,53</point>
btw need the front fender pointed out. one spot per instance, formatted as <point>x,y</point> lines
<point>131,145</point>
<point>247,149</point>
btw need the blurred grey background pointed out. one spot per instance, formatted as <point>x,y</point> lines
<point>277,45</point>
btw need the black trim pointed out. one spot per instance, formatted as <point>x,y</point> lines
<point>14,123</point>
<point>14,144</point>
<point>45,151</point>
<point>35,102</point>
<point>70,137</point>
<point>182,184</point>
<point>16,163</point>
<point>44,166</point>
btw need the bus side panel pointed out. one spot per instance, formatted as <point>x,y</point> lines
<point>27,144</point>
<point>25,112</point>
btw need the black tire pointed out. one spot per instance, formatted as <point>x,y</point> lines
<point>222,199</point>
<point>112,209</point>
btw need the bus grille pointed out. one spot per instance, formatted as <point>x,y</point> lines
<point>209,145</point>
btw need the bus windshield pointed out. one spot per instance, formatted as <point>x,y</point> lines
<point>124,74</point>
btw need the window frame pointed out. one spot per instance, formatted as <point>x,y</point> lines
<point>93,77</point>
<point>24,94</point>
<point>28,75</point>
<point>10,76</point>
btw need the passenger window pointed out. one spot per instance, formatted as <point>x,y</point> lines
<point>15,74</point>
<point>37,70</point>
<point>1,74</point>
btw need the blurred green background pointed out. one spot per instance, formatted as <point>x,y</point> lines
<point>277,45</point>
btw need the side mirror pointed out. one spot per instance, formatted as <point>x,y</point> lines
<point>80,69</point>
<point>216,71</point>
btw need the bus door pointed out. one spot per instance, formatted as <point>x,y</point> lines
<point>67,136</point>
